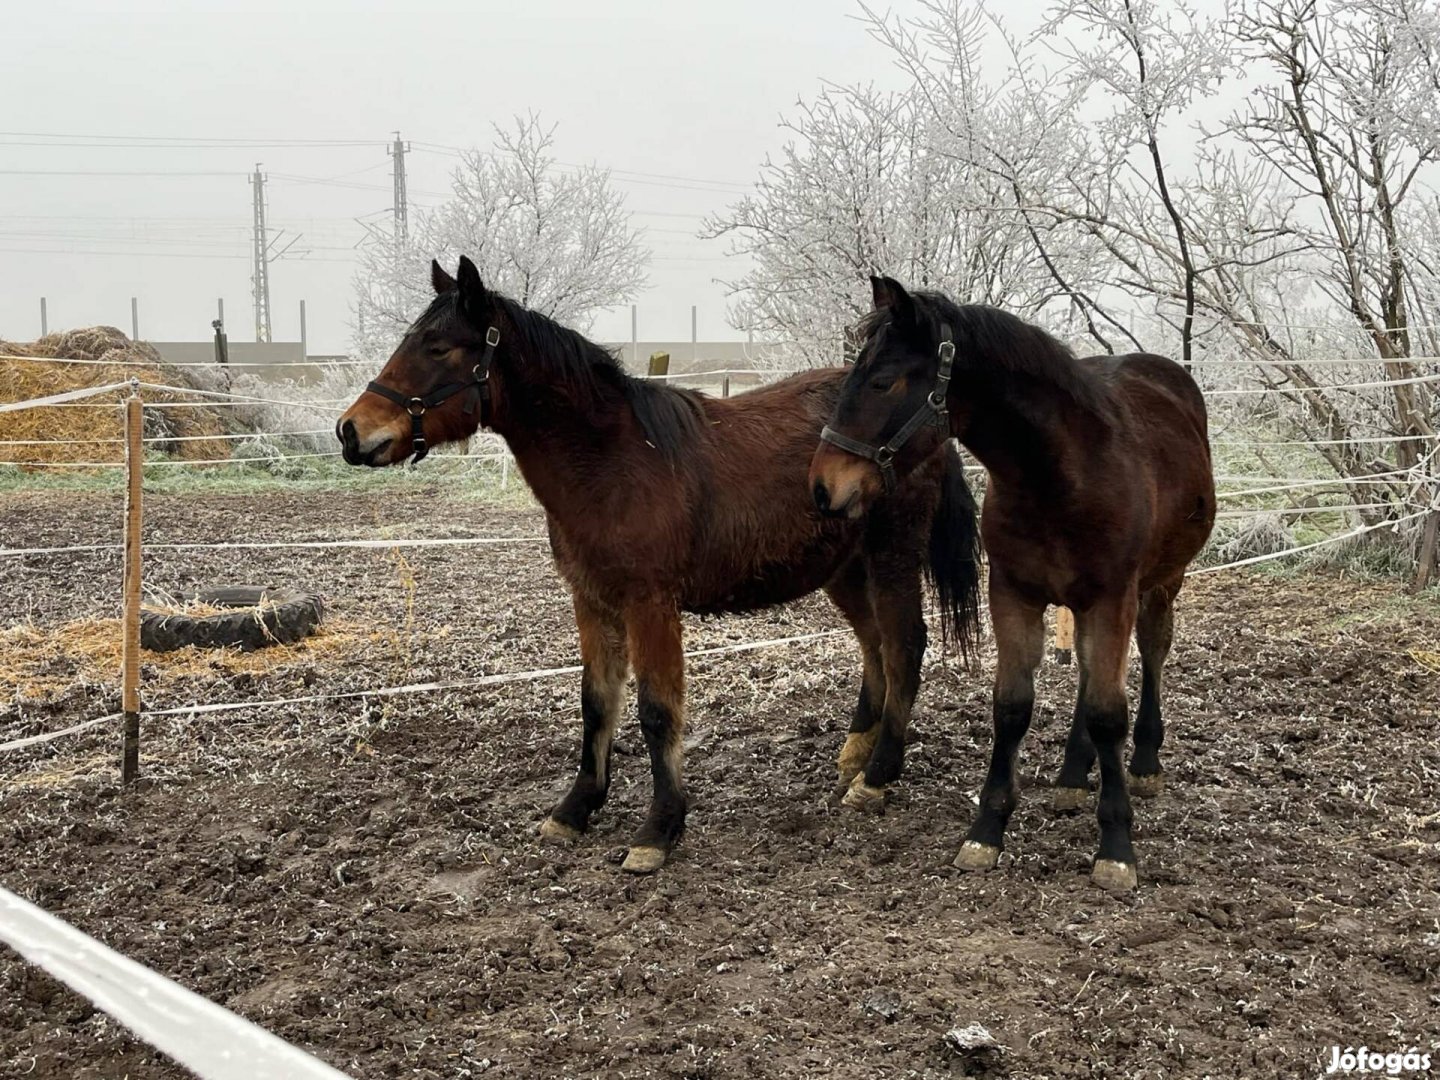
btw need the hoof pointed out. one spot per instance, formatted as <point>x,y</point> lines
<point>1114,876</point>
<point>1147,787</point>
<point>975,856</point>
<point>643,860</point>
<point>1065,800</point>
<point>557,832</point>
<point>861,796</point>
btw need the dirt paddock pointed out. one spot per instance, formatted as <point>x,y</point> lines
<point>363,877</point>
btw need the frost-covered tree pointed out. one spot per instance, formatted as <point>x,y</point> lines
<point>926,185</point>
<point>1097,179</point>
<point>559,240</point>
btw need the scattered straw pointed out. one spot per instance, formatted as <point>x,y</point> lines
<point>42,662</point>
<point>1427,659</point>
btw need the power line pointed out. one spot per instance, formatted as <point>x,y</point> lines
<point>232,173</point>
<point>59,139</point>
<point>146,254</point>
<point>184,140</point>
<point>628,176</point>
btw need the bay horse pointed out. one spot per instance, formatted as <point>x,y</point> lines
<point>1100,493</point>
<point>660,500</point>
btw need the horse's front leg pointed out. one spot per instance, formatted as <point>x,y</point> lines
<point>602,692</point>
<point>1019,645</point>
<point>849,592</point>
<point>656,650</point>
<point>896,600</point>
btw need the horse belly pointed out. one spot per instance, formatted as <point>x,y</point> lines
<point>718,590</point>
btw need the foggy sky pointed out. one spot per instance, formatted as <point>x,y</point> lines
<point>686,90</point>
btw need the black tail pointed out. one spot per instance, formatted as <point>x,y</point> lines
<point>954,569</point>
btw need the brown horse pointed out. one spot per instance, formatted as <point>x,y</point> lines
<point>1100,493</point>
<point>662,500</point>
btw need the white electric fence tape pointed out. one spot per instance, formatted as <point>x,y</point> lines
<point>210,1041</point>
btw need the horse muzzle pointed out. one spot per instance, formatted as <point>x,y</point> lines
<point>355,452</point>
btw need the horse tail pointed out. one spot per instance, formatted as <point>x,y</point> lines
<point>954,570</point>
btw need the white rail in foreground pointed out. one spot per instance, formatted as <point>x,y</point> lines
<point>210,1041</point>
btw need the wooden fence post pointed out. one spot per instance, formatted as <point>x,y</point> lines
<point>130,620</point>
<point>1064,636</point>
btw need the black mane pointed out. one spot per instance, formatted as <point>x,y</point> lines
<point>669,416</point>
<point>1002,346</point>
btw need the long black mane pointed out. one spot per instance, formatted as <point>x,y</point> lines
<point>669,416</point>
<point>1004,348</point>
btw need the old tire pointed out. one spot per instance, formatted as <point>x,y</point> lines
<point>255,617</point>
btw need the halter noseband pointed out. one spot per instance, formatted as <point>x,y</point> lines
<point>934,411</point>
<point>416,406</point>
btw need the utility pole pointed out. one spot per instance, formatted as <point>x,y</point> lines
<point>260,253</point>
<point>398,150</point>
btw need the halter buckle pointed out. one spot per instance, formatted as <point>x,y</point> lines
<point>492,336</point>
<point>884,456</point>
<point>415,407</point>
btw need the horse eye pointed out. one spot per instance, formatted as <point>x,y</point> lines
<point>880,384</point>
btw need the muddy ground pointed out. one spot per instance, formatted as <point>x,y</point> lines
<point>363,877</point>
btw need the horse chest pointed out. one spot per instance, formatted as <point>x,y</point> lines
<point>1055,555</point>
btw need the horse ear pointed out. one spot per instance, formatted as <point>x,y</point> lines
<point>473,302</point>
<point>442,281</point>
<point>886,292</point>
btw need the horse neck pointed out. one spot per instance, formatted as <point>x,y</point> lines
<point>1022,428</point>
<point>558,443</point>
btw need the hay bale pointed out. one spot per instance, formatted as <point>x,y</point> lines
<point>94,434</point>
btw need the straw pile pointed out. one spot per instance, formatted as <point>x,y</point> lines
<point>94,434</point>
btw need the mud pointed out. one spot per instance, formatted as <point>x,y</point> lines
<point>364,877</point>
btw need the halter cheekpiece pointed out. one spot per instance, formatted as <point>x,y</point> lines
<point>934,411</point>
<point>416,406</point>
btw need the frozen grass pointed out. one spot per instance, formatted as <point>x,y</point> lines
<point>460,477</point>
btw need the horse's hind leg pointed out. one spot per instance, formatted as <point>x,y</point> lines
<point>1019,645</point>
<point>1154,632</point>
<point>847,591</point>
<point>602,692</point>
<point>1072,787</point>
<point>1104,656</point>
<point>657,652</point>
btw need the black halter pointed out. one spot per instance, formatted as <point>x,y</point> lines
<point>416,406</point>
<point>932,412</point>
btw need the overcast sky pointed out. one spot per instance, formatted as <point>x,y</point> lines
<point>664,87</point>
